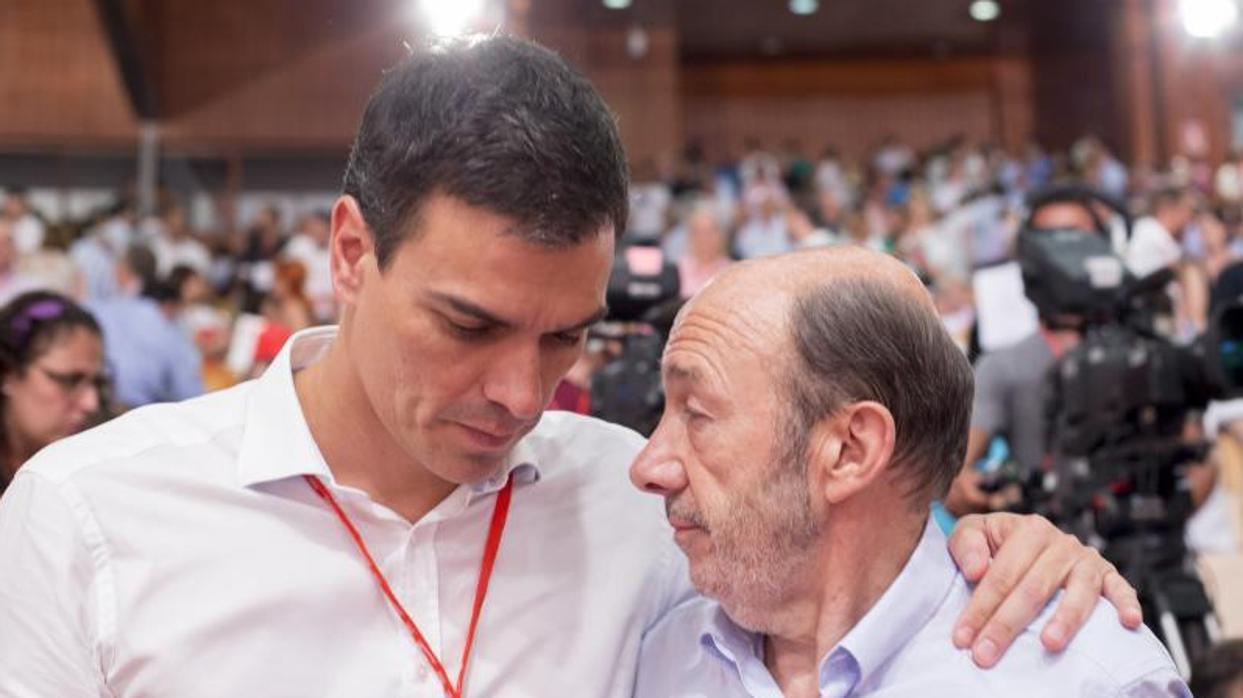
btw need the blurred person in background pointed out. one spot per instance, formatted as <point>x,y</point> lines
<point>52,381</point>
<point>288,305</point>
<point>706,250</point>
<point>1228,181</point>
<point>174,244</point>
<point>763,232</point>
<point>310,247</point>
<point>151,358</point>
<point>260,247</point>
<point>1156,238</point>
<point>97,252</point>
<point>650,201</point>
<point>12,281</point>
<point>29,229</point>
<point>803,233</point>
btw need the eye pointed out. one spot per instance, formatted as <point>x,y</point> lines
<point>693,415</point>
<point>468,332</point>
<point>569,339</point>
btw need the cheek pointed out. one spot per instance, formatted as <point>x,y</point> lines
<point>35,409</point>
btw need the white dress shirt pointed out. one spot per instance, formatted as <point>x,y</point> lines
<point>177,551</point>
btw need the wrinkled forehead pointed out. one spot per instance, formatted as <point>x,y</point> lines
<point>727,331</point>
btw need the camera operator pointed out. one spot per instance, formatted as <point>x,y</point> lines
<point>1011,385</point>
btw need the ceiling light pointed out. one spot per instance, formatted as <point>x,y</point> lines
<point>449,17</point>
<point>985,10</point>
<point>804,7</point>
<point>1208,18</point>
<point>617,4</point>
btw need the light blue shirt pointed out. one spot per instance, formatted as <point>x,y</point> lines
<point>151,358</point>
<point>902,647</point>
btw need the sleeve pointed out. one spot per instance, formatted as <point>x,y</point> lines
<point>1159,683</point>
<point>48,593</point>
<point>989,407</point>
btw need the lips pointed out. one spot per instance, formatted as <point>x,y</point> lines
<point>680,524</point>
<point>489,440</point>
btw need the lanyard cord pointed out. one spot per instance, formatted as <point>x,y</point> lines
<point>500,514</point>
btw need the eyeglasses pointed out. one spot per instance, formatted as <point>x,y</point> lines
<point>73,382</point>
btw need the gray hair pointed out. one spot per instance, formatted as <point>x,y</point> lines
<point>866,339</point>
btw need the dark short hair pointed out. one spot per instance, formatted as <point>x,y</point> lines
<point>500,123</point>
<point>866,339</point>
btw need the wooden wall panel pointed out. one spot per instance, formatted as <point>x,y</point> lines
<point>851,123</point>
<point>59,85</point>
<point>853,103</point>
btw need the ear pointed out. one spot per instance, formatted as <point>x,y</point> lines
<point>350,248</point>
<point>852,449</point>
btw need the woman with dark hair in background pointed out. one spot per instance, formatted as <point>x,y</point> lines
<point>51,375</point>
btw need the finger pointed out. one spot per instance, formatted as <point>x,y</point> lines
<point>1024,539</point>
<point>1083,591</point>
<point>1123,596</point>
<point>969,547</point>
<point>1037,583</point>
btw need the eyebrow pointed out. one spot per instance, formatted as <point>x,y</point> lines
<point>465,307</point>
<point>675,372</point>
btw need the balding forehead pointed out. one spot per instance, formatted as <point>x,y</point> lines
<point>791,275</point>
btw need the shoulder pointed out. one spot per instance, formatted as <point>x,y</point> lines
<point>1104,649</point>
<point>164,429</point>
<point>1104,658</point>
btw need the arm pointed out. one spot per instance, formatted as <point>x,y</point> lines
<point>48,631</point>
<point>1020,562</point>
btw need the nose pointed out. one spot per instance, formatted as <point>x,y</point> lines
<point>658,468</point>
<point>515,383</point>
<point>89,399</point>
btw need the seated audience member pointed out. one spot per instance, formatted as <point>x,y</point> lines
<point>804,510</point>
<point>51,366</point>
<point>151,358</point>
<point>705,254</point>
<point>12,281</point>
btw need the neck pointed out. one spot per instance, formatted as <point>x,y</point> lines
<point>357,448</point>
<point>857,560</point>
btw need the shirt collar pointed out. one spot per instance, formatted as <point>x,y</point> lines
<point>907,605</point>
<point>277,443</point>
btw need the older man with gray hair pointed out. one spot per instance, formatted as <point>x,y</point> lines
<point>803,509</point>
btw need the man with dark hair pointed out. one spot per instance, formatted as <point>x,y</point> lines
<point>804,511</point>
<point>334,527</point>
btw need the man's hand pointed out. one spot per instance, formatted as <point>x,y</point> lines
<point>1020,562</point>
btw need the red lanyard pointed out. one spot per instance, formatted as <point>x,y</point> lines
<point>500,513</point>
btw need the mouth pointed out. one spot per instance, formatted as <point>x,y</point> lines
<point>487,440</point>
<point>681,525</point>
